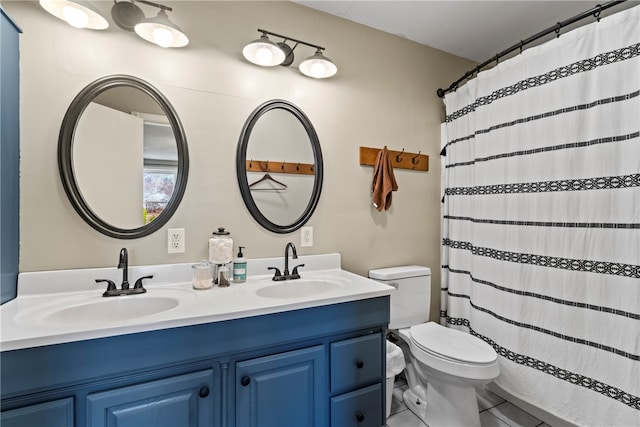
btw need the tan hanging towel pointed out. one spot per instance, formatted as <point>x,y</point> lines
<point>384,182</point>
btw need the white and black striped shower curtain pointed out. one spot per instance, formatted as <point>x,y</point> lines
<point>541,220</point>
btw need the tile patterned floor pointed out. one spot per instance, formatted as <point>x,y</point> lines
<point>494,411</point>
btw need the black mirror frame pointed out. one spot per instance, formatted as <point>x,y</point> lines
<point>241,158</point>
<point>65,156</point>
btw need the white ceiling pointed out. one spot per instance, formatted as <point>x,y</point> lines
<point>476,30</point>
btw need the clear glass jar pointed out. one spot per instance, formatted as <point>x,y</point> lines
<point>202,275</point>
<point>220,247</point>
<point>223,275</point>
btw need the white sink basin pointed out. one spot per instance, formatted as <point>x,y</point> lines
<point>96,310</point>
<point>112,309</point>
<point>301,288</point>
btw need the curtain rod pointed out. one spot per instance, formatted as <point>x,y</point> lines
<point>554,28</point>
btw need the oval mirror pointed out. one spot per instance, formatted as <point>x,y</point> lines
<point>123,157</point>
<point>279,166</point>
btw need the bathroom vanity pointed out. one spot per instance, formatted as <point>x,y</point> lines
<point>254,354</point>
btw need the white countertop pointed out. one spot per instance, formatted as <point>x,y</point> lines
<point>41,292</point>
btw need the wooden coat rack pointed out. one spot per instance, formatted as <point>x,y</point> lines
<point>279,167</point>
<point>399,159</point>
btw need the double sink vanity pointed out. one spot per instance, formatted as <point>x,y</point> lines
<point>304,352</point>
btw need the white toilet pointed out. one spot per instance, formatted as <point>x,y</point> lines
<point>443,365</point>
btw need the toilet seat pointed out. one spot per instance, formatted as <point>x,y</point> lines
<point>480,362</point>
<point>451,344</point>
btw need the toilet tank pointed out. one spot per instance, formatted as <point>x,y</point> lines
<point>411,299</point>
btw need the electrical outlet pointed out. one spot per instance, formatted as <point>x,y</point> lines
<point>175,241</point>
<point>306,237</point>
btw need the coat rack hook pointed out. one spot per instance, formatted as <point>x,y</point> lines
<point>267,165</point>
<point>298,166</point>
<point>250,163</point>
<point>414,159</point>
<point>398,158</point>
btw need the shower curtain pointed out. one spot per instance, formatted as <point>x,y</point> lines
<point>541,220</point>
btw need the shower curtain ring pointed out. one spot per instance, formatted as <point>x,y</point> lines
<point>558,30</point>
<point>596,14</point>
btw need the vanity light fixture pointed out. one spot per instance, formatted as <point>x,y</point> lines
<point>126,14</point>
<point>77,13</point>
<point>318,66</point>
<point>160,30</point>
<point>266,53</point>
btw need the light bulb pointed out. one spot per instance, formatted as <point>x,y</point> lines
<point>318,66</point>
<point>318,69</point>
<point>264,55</point>
<point>162,37</point>
<point>75,17</point>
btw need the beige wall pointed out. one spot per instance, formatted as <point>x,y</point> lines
<point>384,93</point>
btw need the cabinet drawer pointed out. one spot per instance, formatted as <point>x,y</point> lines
<point>356,361</point>
<point>360,408</point>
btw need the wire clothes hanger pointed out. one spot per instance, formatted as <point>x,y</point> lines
<point>268,178</point>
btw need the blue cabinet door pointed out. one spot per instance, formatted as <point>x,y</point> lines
<point>282,390</point>
<point>57,413</point>
<point>9,156</point>
<point>180,401</point>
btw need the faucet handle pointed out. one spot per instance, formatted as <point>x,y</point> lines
<point>277,273</point>
<point>138,284</point>
<point>295,271</point>
<point>111,286</point>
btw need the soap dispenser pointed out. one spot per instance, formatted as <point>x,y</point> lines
<point>240,267</point>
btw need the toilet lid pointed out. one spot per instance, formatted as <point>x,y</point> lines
<point>451,344</point>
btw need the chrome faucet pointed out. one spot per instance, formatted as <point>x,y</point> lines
<point>112,290</point>
<point>285,275</point>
